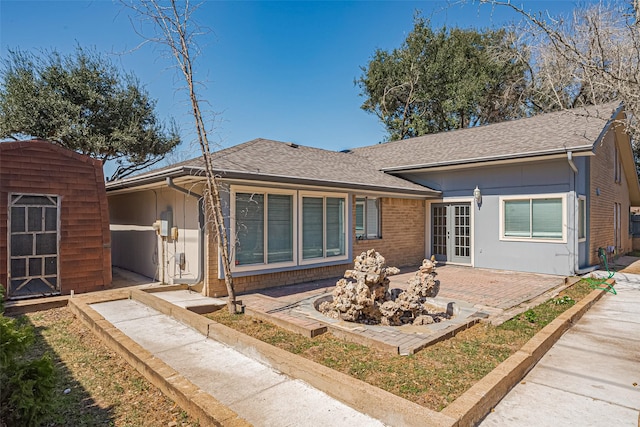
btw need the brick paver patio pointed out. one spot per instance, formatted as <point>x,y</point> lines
<point>479,293</point>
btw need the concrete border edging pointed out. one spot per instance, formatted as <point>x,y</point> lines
<point>373,401</point>
<point>467,409</point>
<point>187,395</point>
<point>473,405</point>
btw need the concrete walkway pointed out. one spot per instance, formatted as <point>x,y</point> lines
<point>257,393</point>
<point>591,376</point>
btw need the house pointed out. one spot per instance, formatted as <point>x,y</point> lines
<point>542,194</point>
<point>54,223</point>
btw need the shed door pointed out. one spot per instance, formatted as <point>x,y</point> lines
<point>451,232</point>
<point>33,245</point>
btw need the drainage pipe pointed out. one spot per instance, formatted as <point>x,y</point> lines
<point>201,225</point>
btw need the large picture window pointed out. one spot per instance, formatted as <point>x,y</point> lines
<point>368,218</point>
<point>323,227</point>
<point>254,211</point>
<point>540,218</point>
<point>281,228</point>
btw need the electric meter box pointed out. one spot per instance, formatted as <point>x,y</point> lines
<point>166,222</point>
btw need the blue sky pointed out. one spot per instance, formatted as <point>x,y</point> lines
<point>278,70</point>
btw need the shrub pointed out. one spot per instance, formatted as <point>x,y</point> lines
<point>26,394</point>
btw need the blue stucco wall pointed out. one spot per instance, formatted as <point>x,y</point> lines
<point>530,178</point>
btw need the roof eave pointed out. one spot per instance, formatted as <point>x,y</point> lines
<point>156,178</point>
<point>482,161</point>
<point>427,192</point>
<point>153,177</point>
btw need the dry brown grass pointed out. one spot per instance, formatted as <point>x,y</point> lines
<point>433,377</point>
<point>102,388</point>
<point>106,391</point>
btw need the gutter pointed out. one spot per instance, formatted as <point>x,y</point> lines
<point>201,225</point>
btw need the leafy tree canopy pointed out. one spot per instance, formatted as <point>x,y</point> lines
<point>84,103</point>
<point>442,80</point>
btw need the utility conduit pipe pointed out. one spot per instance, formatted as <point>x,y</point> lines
<point>201,225</point>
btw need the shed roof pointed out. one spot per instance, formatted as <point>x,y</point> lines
<point>571,130</point>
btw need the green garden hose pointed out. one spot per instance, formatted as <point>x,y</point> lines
<point>602,283</point>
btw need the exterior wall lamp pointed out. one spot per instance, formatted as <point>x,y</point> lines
<point>477,195</point>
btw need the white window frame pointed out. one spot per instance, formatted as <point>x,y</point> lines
<point>265,192</point>
<point>582,199</point>
<point>530,197</point>
<point>324,196</point>
<point>617,225</point>
<point>617,166</point>
<point>367,234</point>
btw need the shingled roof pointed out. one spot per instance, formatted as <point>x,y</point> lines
<point>368,168</point>
<point>273,161</point>
<point>575,130</point>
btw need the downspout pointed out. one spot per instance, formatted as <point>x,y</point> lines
<point>576,248</point>
<point>198,279</point>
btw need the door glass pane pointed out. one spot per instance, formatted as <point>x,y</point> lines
<point>46,244</point>
<point>547,218</point>
<point>35,266</point>
<point>335,227</point>
<point>439,230</point>
<point>516,218</point>
<point>312,227</point>
<point>50,219</point>
<point>35,219</point>
<point>50,265</point>
<point>249,228</point>
<point>18,267</point>
<point>18,219</point>
<point>21,244</point>
<point>280,228</point>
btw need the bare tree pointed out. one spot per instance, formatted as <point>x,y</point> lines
<point>589,57</point>
<point>174,28</point>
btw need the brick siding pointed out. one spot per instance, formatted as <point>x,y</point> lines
<point>402,243</point>
<point>39,167</point>
<point>601,208</point>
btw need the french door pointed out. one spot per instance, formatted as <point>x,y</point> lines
<point>451,232</point>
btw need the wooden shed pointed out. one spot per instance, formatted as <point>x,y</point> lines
<point>54,221</point>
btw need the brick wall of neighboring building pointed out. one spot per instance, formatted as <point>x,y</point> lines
<point>40,167</point>
<point>402,244</point>
<point>604,193</point>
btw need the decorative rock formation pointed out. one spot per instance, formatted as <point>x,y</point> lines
<point>368,299</point>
